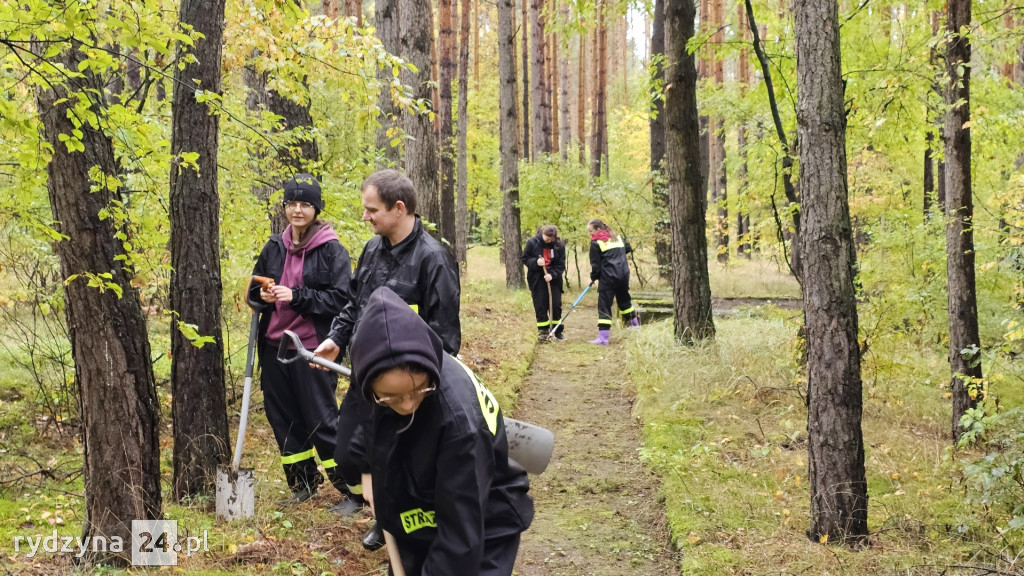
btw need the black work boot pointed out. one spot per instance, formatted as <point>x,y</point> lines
<point>349,505</point>
<point>374,538</point>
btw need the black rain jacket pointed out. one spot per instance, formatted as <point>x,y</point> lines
<point>608,262</point>
<point>535,249</point>
<point>423,274</point>
<point>444,486</point>
<point>326,275</point>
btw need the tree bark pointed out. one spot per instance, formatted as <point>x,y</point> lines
<point>553,90</point>
<point>564,134</point>
<point>597,130</point>
<point>448,71</point>
<point>744,77</point>
<point>964,342</point>
<point>509,143</point>
<point>662,225</point>
<point>839,511</point>
<point>301,155</point>
<point>525,29</point>
<point>718,139</point>
<point>197,374</point>
<point>691,288</point>
<point>354,10</point>
<point>581,100</point>
<point>540,110</point>
<point>386,21</point>
<point>416,19</point>
<point>118,407</point>
<point>461,207</point>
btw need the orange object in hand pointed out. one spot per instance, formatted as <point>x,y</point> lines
<point>267,283</point>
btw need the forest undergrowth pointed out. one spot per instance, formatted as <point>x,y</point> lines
<point>723,427</point>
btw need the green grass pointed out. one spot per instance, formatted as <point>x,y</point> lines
<point>725,425</point>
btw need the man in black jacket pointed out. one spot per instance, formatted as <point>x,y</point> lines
<point>406,259</point>
<point>437,449</point>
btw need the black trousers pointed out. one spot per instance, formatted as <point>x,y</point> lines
<point>355,411</point>
<point>605,295</point>
<point>540,305</point>
<point>498,559</point>
<point>302,409</point>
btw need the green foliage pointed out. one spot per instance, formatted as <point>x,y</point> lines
<point>995,481</point>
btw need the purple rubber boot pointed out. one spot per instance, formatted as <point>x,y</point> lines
<point>602,338</point>
<point>634,322</point>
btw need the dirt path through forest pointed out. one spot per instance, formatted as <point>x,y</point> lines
<point>598,510</point>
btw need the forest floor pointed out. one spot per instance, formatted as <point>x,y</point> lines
<point>598,512</point>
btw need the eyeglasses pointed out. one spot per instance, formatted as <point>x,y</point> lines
<point>297,204</point>
<point>394,400</point>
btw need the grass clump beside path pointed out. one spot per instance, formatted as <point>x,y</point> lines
<point>725,425</point>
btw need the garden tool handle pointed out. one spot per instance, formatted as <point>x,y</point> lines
<point>301,353</point>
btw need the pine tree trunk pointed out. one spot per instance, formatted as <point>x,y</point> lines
<point>416,27</point>
<point>330,8</point>
<point>509,142</point>
<point>461,207</point>
<point>662,226</point>
<point>691,289</point>
<point>564,134</point>
<point>476,43</point>
<point>553,90</point>
<point>929,173</point>
<point>354,10</point>
<point>119,410</point>
<point>597,130</point>
<point>744,77</point>
<point>539,110</point>
<point>839,500</point>
<point>525,31</point>
<point>302,156</point>
<point>386,21</point>
<point>719,166</point>
<point>964,343</point>
<point>448,54</point>
<point>197,374</point>
<point>581,100</point>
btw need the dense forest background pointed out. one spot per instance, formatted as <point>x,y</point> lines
<point>141,179</point>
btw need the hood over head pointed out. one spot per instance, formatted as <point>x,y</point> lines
<point>390,334</point>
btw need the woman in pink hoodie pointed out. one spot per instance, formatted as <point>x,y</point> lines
<point>311,272</point>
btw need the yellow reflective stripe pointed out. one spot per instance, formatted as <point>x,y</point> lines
<point>413,520</point>
<point>607,245</point>
<point>488,405</point>
<point>544,323</point>
<point>602,321</point>
<point>330,463</point>
<point>415,308</point>
<point>293,458</point>
<point>627,311</point>
<point>357,489</point>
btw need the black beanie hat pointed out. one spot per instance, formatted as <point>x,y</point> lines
<point>304,188</point>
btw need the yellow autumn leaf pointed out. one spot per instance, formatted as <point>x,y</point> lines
<point>823,539</point>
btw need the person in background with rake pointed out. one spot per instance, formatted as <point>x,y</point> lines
<point>609,267</point>
<point>544,258</point>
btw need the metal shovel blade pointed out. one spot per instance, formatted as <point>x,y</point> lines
<point>529,445</point>
<point>236,493</point>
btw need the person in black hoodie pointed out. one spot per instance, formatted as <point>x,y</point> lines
<point>436,445</point>
<point>311,272</point>
<point>404,257</point>
<point>609,267</point>
<point>544,258</point>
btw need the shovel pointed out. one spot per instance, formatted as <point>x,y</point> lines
<point>236,487</point>
<point>528,444</point>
